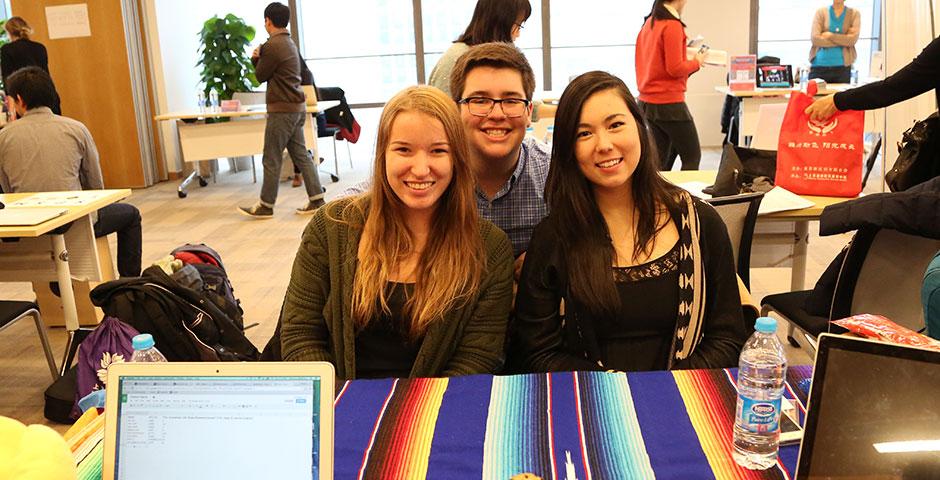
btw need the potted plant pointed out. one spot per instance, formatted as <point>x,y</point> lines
<point>226,68</point>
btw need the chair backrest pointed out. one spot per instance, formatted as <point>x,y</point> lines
<point>739,212</point>
<point>769,121</point>
<point>882,274</point>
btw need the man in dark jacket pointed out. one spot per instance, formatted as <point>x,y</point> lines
<point>277,62</point>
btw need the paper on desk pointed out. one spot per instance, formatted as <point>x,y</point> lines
<point>60,199</point>
<point>778,199</point>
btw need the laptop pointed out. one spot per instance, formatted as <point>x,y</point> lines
<point>28,217</point>
<point>219,421</point>
<point>774,76</point>
<point>873,412</point>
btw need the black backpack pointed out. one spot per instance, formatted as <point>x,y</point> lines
<point>216,285</point>
<point>186,325</point>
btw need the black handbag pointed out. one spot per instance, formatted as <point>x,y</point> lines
<point>918,155</point>
<point>743,170</point>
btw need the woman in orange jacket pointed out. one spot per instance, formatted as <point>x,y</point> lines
<point>662,70</point>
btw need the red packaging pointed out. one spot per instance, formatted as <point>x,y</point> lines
<point>816,158</point>
<point>880,328</point>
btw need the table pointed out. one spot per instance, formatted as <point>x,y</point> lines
<point>751,100</point>
<point>798,238</point>
<point>42,254</point>
<point>200,140</point>
<point>613,425</point>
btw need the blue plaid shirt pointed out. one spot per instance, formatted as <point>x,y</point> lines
<point>520,205</point>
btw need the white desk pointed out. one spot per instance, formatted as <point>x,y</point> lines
<point>242,136</point>
<point>798,237</point>
<point>751,100</point>
<point>42,255</point>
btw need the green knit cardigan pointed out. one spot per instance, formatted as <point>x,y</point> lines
<point>317,322</point>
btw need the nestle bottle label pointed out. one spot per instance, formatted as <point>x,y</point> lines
<point>758,416</point>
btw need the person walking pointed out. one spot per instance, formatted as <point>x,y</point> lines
<point>277,62</point>
<point>662,71</point>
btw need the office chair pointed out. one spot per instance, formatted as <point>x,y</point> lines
<point>881,274</point>
<point>13,311</point>
<point>739,212</point>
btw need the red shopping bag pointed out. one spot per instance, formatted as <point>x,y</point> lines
<point>816,158</point>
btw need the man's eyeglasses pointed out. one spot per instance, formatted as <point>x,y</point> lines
<point>482,106</point>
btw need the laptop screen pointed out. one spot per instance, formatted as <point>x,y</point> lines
<point>217,427</point>
<point>874,412</point>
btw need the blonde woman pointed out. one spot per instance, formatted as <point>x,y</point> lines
<point>405,280</point>
<point>22,52</point>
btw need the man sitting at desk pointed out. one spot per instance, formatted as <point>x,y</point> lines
<point>45,152</point>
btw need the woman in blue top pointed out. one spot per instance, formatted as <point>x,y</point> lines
<point>835,31</point>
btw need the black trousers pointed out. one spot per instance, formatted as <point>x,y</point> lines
<point>124,219</point>
<point>832,74</point>
<point>676,138</point>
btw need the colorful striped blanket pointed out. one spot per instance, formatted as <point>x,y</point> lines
<point>584,425</point>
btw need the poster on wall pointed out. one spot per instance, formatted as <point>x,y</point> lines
<point>68,21</point>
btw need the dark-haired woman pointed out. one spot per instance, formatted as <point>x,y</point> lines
<point>628,272</point>
<point>662,71</point>
<point>492,21</point>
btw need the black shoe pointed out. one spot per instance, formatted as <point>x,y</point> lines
<point>311,206</point>
<point>257,211</point>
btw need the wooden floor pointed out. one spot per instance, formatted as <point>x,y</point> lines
<point>258,256</point>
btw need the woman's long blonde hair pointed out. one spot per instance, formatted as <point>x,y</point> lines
<point>451,265</point>
<point>17,27</point>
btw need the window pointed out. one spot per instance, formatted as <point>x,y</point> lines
<point>784,31</point>
<point>608,44</point>
<point>366,47</point>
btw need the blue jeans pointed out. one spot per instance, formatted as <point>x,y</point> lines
<point>285,130</point>
<point>124,219</point>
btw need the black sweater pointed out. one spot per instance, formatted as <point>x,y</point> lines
<point>547,342</point>
<point>917,77</point>
<point>22,53</point>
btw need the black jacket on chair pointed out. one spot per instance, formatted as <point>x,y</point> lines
<point>915,211</point>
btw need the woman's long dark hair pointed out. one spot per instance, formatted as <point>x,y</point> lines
<point>582,230</point>
<point>493,21</point>
<point>659,12</point>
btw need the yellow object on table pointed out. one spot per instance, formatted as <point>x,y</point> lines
<point>36,452</point>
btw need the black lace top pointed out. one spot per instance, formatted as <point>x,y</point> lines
<point>382,348</point>
<point>640,338</point>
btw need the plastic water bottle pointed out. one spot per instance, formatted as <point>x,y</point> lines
<point>761,373</point>
<point>214,100</point>
<point>144,351</point>
<point>201,101</point>
<point>549,133</point>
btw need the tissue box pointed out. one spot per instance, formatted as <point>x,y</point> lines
<point>231,105</point>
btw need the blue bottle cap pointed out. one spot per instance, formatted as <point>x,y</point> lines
<point>766,325</point>
<point>142,341</point>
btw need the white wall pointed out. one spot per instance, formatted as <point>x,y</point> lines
<point>173,28</point>
<point>725,26</point>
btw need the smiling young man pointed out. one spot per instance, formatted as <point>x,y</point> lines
<point>493,84</point>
